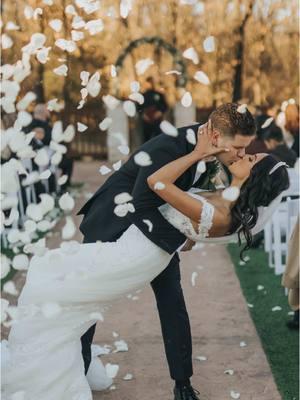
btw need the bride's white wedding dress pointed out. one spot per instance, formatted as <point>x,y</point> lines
<point>65,291</point>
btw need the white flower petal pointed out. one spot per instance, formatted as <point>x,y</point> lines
<point>62,70</point>
<point>229,372</point>
<point>191,136</point>
<point>34,212</point>
<point>69,229</point>
<point>143,159</point>
<point>267,123</point>
<point>129,108</point>
<point>168,128</point>
<point>104,170</point>
<point>121,346</point>
<point>243,344</point>
<point>191,54</point>
<point>135,86</point>
<point>242,108</point>
<point>201,358</point>
<point>45,174</point>
<point>128,377</point>
<point>234,395</point>
<point>111,370</point>
<point>231,193</point>
<point>122,198</point>
<point>42,158</point>
<point>94,26</point>
<point>105,124</point>
<point>20,262</point>
<point>138,97</point>
<point>66,202</point>
<point>276,308</point>
<point>159,186</point>
<point>209,44</point>
<point>201,77</point>
<point>186,99</point>
<point>149,224</point>
<point>124,149</point>
<point>142,65</point>
<point>55,24</point>
<point>81,127</point>
<point>62,180</point>
<point>193,278</point>
<point>10,288</point>
<point>110,101</point>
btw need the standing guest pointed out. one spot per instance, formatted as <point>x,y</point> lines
<point>292,124</point>
<point>152,111</point>
<point>41,119</point>
<point>276,145</point>
<point>290,277</point>
<point>267,111</point>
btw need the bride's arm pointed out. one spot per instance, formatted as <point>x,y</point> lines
<point>169,173</point>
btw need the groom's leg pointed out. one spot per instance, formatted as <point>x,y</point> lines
<point>86,342</point>
<point>174,321</point>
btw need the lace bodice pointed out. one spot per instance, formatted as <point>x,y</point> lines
<point>183,223</point>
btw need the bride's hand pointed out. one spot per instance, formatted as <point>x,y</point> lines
<point>205,148</point>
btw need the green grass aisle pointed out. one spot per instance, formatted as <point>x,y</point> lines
<point>262,289</point>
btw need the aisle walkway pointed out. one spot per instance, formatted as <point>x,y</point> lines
<point>220,322</point>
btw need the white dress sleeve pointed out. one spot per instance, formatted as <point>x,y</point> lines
<point>184,224</point>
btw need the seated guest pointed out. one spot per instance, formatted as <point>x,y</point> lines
<point>276,145</point>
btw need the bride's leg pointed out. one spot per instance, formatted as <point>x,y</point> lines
<point>174,321</point>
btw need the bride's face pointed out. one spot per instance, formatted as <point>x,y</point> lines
<point>241,169</point>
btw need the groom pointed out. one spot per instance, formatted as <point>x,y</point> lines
<point>231,129</point>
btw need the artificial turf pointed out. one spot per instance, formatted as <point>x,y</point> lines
<point>281,345</point>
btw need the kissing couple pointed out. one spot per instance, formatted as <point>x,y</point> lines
<point>133,228</point>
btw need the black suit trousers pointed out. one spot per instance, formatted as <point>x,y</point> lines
<point>174,321</point>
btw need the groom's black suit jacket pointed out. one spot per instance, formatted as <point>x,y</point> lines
<point>100,222</point>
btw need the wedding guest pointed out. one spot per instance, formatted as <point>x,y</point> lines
<point>41,119</point>
<point>292,124</point>
<point>267,110</point>
<point>276,145</point>
<point>290,277</point>
<point>152,111</point>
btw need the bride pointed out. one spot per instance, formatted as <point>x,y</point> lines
<point>67,288</point>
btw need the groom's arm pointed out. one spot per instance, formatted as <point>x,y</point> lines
<point>146,202</point>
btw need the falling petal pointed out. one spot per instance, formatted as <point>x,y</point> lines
<point>142,65</point>
<point>187,99</point>
<point>260,287</point>
<point>149,224</point>
<point>10,288</point>
<point>94,26</point>
<point>231,193</point>
<point>267,123</point>
<point>209,44</point>
<point>159,186</point>
<point>62,70</point>
<point>243,344</point>
<point>191,54</point>
<point>69,229</point>
<point>201,77</point>
<point>138,97</point>
<point>104,170</point>
<point>135,86</point>
<point>20,262</point>
<point>62,180</point>
<point>201,358</point>
<point>129,108</point>
<point>81,127</point>
<point>105,124</point>
<point>242,108</point>
<point>66,202</point>
<point>191,136</point>
<point>143,159</point>
<point>55,24</point>
<point>110,101</point>
<point>168,128</point>
<point>122,198</point>
<point>124,149</point>
<point>113,71</point>
<point>173,72</point>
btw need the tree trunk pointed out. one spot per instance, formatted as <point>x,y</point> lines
<point>238,71</point>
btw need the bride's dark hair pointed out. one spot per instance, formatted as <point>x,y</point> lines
<point>260,189</point>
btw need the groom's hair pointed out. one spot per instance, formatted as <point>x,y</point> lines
<point>230,120</point>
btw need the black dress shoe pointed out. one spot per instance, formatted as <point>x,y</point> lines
<point>186,393</point>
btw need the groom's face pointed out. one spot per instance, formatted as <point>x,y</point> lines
<point>236,145</point>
